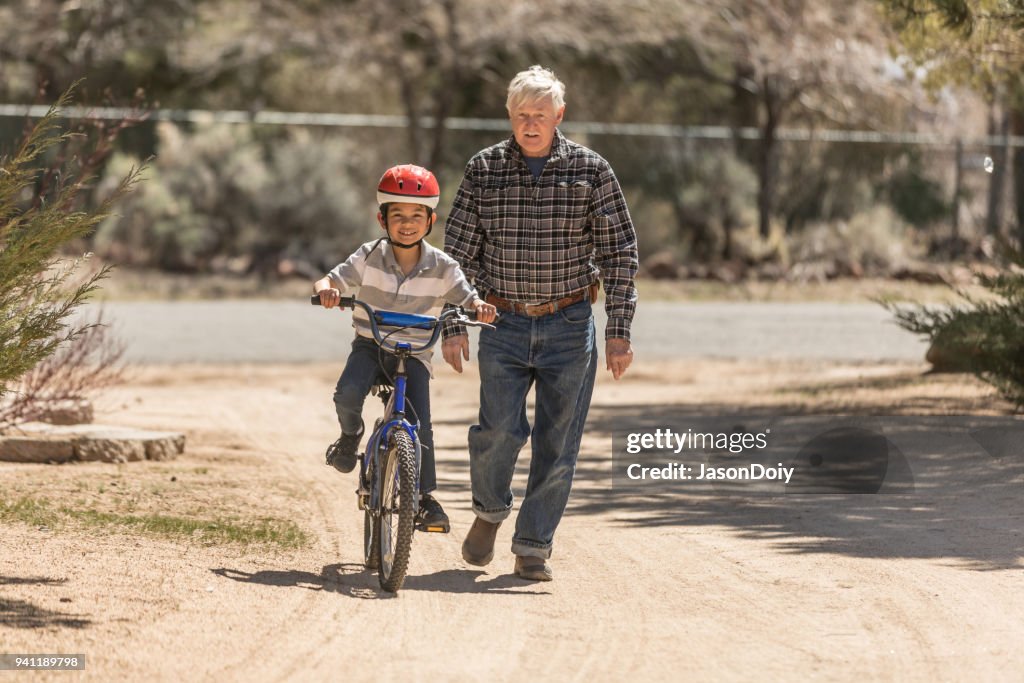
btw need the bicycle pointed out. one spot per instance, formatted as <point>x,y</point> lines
<point>389,467</point>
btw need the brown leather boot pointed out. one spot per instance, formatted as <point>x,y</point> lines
<point>478,548</point>
<point>533,568</point>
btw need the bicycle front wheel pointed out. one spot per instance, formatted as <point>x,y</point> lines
<point>397,509</point>
<point>371,532</point>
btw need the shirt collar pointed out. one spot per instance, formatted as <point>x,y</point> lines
<point>428,256</point>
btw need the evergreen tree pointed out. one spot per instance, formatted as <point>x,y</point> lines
<point>39,214</point>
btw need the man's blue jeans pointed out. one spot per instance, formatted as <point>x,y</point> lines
<point>361,372</point>
<point>558,354</point>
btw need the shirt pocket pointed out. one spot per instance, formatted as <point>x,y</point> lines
<point>503,210</point>
<point>569,209</point>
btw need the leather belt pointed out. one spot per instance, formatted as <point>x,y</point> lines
<point>536,310</point>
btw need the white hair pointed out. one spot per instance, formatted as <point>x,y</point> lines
<point>536,83</point>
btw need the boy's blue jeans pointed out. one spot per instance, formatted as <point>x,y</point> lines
<point>558,354</point>
<point>361,372</point>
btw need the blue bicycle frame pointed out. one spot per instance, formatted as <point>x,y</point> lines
<point>394,414</point>
<point>394,418</point>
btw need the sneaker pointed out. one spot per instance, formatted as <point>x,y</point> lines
<point>431,516</point>
<point>341,455</point>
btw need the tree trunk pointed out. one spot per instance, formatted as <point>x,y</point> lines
<point>958,188</point>
<point>998,125</point>
<point>451,83</point>
<point>767,171</point>
<point>745,106</point>
<point>408,95</point>
<point>728,225</point>
<point>1017,127</point>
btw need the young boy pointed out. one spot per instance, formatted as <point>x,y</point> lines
<point>399,272</point>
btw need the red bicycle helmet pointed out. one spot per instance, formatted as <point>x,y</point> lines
<point>410,184</point>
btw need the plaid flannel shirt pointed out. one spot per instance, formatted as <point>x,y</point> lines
<point>536,240</point>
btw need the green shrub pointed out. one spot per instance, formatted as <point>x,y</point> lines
<point>918,199</point>
<point>983,335</point>
<point>220,199</point>
<point>876,241</point>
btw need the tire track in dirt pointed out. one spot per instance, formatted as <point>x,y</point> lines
<point>347,604</point>
<point>294,459</point>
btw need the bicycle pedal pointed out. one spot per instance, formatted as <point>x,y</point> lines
<point>433,528</point>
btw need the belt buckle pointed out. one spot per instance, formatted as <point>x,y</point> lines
<point>537,310</point>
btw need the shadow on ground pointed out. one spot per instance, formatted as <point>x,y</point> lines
<point>23,614</point>
<point>355,581</point>
<point>965,508</point>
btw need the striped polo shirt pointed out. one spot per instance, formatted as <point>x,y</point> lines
<point>375,276</point>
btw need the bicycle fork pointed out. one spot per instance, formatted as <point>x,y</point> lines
<point>370,480</point>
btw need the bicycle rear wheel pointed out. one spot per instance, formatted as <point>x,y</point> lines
<point>371,532</point>
<point>398,487</point>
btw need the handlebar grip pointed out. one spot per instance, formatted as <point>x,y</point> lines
<point>471,315</point>
<point>346,301</point>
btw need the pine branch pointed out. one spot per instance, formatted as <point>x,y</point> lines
<point>37,293</point>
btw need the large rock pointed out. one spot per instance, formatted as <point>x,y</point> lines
<point>922,272</point>
<point>69,412</point>
<point>662,266</point>
<point>36,448</point>
<point>39,442</point>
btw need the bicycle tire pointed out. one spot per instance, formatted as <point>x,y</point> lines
<point>371,532</point>
<point>398,487</point>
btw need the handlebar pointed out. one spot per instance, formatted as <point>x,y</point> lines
<point>406,320</point>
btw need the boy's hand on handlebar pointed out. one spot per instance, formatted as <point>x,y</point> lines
<point>455,349</point>
<point>329,297</point>
<point>485,312</point>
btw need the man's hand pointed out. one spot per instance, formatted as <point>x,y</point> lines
<point>485,312</point>
<point>455,350</point>
<point>618,355</point>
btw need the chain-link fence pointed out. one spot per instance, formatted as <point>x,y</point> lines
<point>244,190</point>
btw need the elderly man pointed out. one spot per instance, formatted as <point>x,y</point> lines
<point>536,222</point>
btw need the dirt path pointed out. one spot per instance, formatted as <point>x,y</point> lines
<point>915,587</point>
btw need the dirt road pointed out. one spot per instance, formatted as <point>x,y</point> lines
<point>922,586</point>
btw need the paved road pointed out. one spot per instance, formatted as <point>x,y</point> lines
<point>276,331</point>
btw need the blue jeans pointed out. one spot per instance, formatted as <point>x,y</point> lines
<point>557,353</point>
<point>362,371</point>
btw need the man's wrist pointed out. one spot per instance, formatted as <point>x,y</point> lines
<point>617,328</point>
<point>452,330</point>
